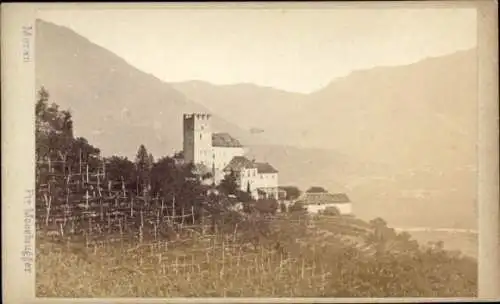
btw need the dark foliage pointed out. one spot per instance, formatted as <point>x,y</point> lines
<point>229,184</point>
<point>292,192</point>
<point>316,189</point>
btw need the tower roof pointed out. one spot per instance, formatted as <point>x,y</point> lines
<point>224,140</point>
<point>196,115</point>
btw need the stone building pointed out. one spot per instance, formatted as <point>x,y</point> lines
<point>220,153</point>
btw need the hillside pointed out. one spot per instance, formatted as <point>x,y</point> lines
<point>250,105</point>
<point>115,106</point>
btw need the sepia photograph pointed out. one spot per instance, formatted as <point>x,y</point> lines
<point>255,152</point>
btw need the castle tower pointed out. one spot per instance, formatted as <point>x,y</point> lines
<point>197,140</point>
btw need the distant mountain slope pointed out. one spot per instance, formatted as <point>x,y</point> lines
<point>422,114</point>
<point>115,106</point>
<point>400,140</point>
<point>306,167</point>
<point>418,115</point>
<point>250,105</point>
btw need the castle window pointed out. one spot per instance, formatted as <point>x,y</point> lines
<point>200,136</point>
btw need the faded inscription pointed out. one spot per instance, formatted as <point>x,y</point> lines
<point>27,255</point>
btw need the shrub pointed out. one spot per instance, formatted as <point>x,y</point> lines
<point>331,211</point>
<point>297,207</point>
<point>283,208</point>
<point>292,192</point>
<point>316,189</point>
<point>266,206</point>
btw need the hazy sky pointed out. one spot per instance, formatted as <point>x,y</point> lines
<point>297,49</point>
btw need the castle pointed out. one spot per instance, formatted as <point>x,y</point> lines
<point>221,154</point>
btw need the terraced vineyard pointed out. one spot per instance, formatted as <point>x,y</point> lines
<point>97,239</point>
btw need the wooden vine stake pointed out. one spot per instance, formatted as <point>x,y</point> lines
<point>131,207</point>
<point>48,204</point>
<point>192,215</point>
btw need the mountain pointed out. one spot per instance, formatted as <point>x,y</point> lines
<point>416,115</point>
<point>395,113</point>
<point>250,105</point>
<point>114,105</point>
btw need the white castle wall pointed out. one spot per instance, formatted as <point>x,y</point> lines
<point>222,157</point>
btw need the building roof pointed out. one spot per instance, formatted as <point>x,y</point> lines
<point>238,163</point>
<point>265,168</point>
<point>324,198</point>
<point>225,140</point>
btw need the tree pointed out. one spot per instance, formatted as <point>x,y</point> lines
<point>121,169</point>
<point>143,167</point>
<point>54,135</point>
<point>378,223</point>
<point>229,185</point>
<point>298,207</point>
<point>283,208</point>
<point>244,196</point>
<point>316,189</point>
<point>292,192</point>
<point>331,211</point>
<point>57,151</point>
<point>383,237</point>
<point>151,161</point>
<point>266,206</point>
<point>167,178</point>
<point>176,184</point>
<point>53,128</point>
<point>179,155</point>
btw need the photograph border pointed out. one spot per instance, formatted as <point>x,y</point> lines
<point>18,146</point>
